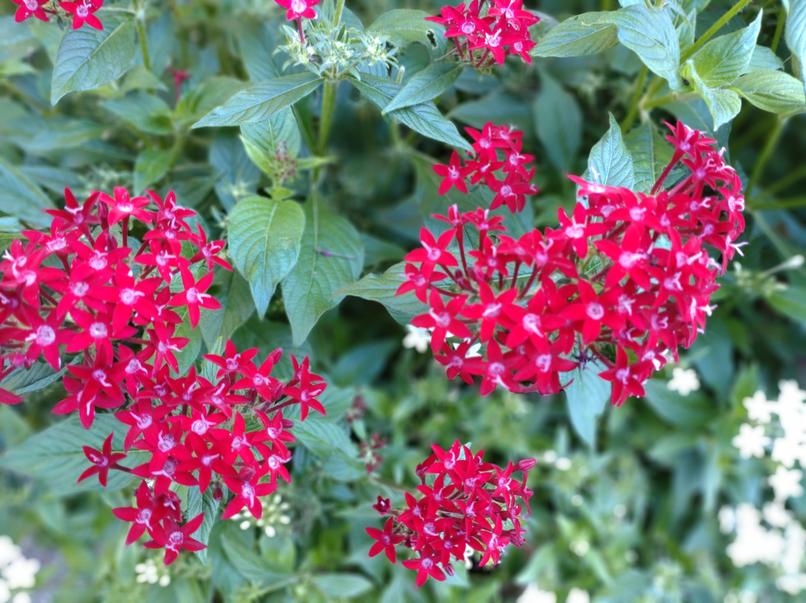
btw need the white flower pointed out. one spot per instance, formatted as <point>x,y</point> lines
<point>533,594</point>
<point>577,595</point>
<point>563,463</point>
<point>788,449</point>
<point>416,338</point>
<point>683,381</point>
<point>776,515</point>
<point>21,573</point>
<point>21,598</point>
<point>727,520</point>
<point>580,547</point>
<point>758,408</point>
<point>786,483</point>
<point>751,441</point>
<point>5,592</point>
<point>8,551</point>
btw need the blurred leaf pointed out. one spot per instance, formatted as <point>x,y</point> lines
<point>586,397</point>
<point>146,112</point>
<point>219,325</point>
<point>649,33</point>
<point>559,123</point>
<point>424,86</point>
<point>725,58</point>
<point>402,26</point>
<point>580,35</point>
<point>264,242</point>
<point>55,455</point>
<point>21,197</point>
<point>150,167</point>
<point>89,58</point>
<point>381,288</point>
<point>423,118</point>
<point>252,566</point>
<point>796,34</point>
<point>773,91</point>
<point>331,257</point>
<point>260,100</point>
<point>236,176</point>
<point>791,302</point>
<point>693,410</point>
<point>342,586</point>
<point>609,161</point>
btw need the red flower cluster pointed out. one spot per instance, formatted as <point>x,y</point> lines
<point>82,289</point>
<point>622,280</point>
<point>468,505</point>
<point>486,31</point>
<point>298,9</point>
<point>81,11</point>
<point>497,162</point>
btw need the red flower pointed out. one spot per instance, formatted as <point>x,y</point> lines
<point>83,11</point>
<point>193,296</point>
<point>298,9</point>
<point>102,461</point>
<point>175,538</point>
<point>30,8</point>
<point>386,539</point>
<point>122,205</point>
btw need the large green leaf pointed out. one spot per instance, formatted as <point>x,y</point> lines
<point>650,153</point>
<point>89,58</point>
<point>266,140</point>
<point>586,397</point>
<point>205,503</point>
<point>725,58</point>
<point>146,112</point>
<point>28,380</point>
<point>723,104</point>
<point>609,161</point>
<point>650,33</point>
<point>252,566</point>
<point>264,242</point>
<point>559,123</point>
<point>773,91</point>
<point>150,167</point>
<point>236,176</point>
<point>331,257</point>
<point>424,86</point>
<point>381,288</point>
<point>237,306</point>
<point>580,35</point>
<point>260,100</point>
<point>55,455</point>
<point>403,26</point>
<point>342,586</point>
<point>424,118</point>
<point>796,34</point>
<point>21,197</point>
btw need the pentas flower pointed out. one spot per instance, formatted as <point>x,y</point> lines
<point>497,163</point>
<point>80,12</point>
<point>83,11</point>
<point>485,32</point>
<point>298,9</point>
<point>621,283</point>
<point>79,292</point>
<point>30,8</point>
<point>462,502</point>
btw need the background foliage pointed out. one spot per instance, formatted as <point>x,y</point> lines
<point>627,500</point>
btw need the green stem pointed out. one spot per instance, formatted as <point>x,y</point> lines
<point>607,5</point>
<point>787,181</point>
<point>326,117</point>
<point>338,13</point>
<point>636,100</point>
<point>765,155</point>
<point>779,30</point>
<point>713,30</point>
<point>141,33</point>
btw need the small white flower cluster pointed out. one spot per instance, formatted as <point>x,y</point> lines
<point>17,572</point>
<point>533,594</point>
<point>274,515</point>
<point>771,535</point>
<point>417,339</point>
<point>684,381</point>
<point>152,572</point>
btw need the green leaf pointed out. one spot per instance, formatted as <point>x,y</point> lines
<point>331,258</point>
<point>403,26</point>
<point>725,58</point>
<point>609,161</point>
<point>237,177</point>
<point>55,455</point>
<point>237,307</point>
<point>260,100</point>
<point>150,167</point>
<point>279,134</point>
<point>559,123</point>
<point>650,33</point>
<point>23,381</point>
<point>580,35</point>
<point>683,411</point>
<point>773,91</point>
<point>89,58</point>
<point>323,437</point>
<point>342,586</point>
<point>424,118</point>
<point>252,566</point>
<point>424,86</point>
<point>586,397</point>
<point>264,242</point>
<point>21,197</point>
<point>650,153</point>
<point>257,42</point>
<point>723,105</point>
<point>764,58</point>
<point>795,35</point>
<point>202,503</point>
<point>381,288</point>
<point>790,302</point>
<point>146,112</point>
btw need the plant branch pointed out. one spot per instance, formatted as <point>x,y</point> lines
<point>765,155</point>
<point>140,18</point>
